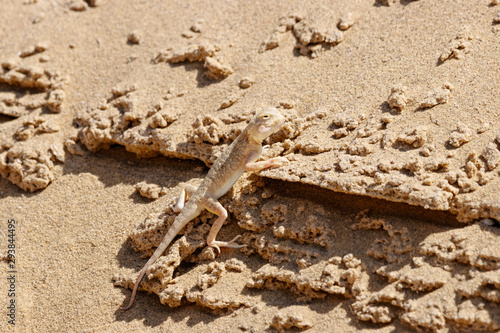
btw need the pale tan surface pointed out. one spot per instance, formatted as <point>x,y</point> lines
<point>74,81</point>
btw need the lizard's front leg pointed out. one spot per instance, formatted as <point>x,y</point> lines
<point>186,192</point>
<point>212,205</point>
<point>270,163</point>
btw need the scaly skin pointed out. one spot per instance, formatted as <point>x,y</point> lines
<point>240,156</point>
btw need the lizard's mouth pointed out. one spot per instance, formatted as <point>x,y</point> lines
<point>273,127</point>
<point>278,124</point>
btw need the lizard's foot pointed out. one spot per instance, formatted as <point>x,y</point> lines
<point>276,162</point>
<point>218,244</point>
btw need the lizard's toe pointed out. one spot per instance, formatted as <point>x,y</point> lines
<point>279,161</point>
<point>232,244</point>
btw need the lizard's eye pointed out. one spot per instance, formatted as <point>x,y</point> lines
<point>266,116</point>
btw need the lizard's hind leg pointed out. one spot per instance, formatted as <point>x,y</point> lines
<point>212,205</point>
<point>186,192</point>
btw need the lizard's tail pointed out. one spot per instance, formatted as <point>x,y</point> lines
<point>161,248</point>
<point>136,286</point>
<point>180,221</point>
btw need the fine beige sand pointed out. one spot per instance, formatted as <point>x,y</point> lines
<point>385,219</point>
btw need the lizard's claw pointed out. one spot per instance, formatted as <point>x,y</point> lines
<point>232,243</point>
<point>216,247</point>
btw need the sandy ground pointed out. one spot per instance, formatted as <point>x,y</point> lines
<point>385,219</point>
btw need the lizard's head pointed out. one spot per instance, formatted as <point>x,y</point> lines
<point>265,123</point>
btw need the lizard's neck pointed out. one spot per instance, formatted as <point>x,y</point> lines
<point>251,139</point>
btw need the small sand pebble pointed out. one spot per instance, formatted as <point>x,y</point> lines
<point>38,48</point>
<point>397,99</point>
<point>78,5</point>
<point>131,58</point>
<point>346,21</point>
<point>246,82</point>
<point>484,127</point>
<point>287,104</point>
<point>496,19</point>
<point>37,18</point>
<point>228,102</point>
<point>134,37</point>
<point>197,26</point>
<point>188,34</point>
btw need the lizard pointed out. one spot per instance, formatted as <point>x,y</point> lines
<point>240,156</point>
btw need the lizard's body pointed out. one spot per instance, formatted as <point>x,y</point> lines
<point>240,156</point>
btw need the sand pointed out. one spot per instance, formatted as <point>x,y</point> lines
<point>385,218</point>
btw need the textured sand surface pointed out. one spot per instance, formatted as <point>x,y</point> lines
<point>385,219</point>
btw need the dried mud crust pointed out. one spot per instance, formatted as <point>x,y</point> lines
<point>437,166</point>
<point>450,284</point>
<point>423,275</point>
<point>30,142</point>
<point>423,164</point>
<point>129,118</point>
<point>312,39</point>
<point>204,52</point>
<point>27,88</point>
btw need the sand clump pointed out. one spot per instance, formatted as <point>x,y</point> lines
<point>437,96</point>
<point>31,96</point>
<point>215,68</point>
<point>283,322</point>
<point>311,39</point>
<point>458,46</point>
<point>398,99</point>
